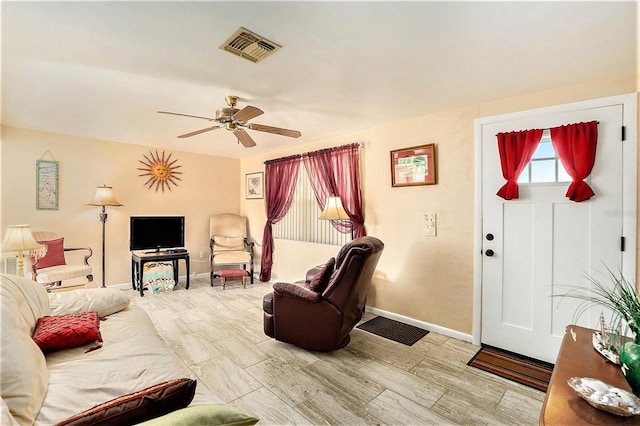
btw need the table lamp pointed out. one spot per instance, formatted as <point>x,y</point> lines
<point>104,197</point>
<point>19,239</point>
<point>333,210</point>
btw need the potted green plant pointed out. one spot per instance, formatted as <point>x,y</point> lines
<point>619,295</point>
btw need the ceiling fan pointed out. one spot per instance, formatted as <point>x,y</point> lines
<point>237,120</point>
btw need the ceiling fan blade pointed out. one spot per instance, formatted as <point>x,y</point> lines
<point>244,138</point>
<point>186,115</point>
<point>247,113</point>
<point>276,130</point>
<point>197,132</point>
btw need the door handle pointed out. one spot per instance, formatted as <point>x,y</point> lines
<point>489,252</point>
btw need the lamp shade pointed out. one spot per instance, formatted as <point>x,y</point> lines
<point>333,210</point>
<point>105,197</point>
<point>19,239</point>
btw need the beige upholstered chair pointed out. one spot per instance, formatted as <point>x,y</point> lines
<point>53,275</point>
<point>229,243</point>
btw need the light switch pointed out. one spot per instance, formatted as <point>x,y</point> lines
<point>430,224</point>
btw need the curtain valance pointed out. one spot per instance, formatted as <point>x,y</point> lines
<point>575,145</point>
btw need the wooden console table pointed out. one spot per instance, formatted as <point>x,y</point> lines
<point>139,258</point>
<point>562,406</point>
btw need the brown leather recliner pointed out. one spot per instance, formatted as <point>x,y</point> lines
<point>319,313</point>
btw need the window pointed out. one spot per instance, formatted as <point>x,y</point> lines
<point>301,222</point>
<point>545,166</point>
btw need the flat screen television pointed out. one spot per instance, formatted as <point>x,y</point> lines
<point>156,232</point>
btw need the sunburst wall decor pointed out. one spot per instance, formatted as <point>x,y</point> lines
<point>161,171</point>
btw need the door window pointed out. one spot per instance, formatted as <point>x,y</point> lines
<point>545,166</point>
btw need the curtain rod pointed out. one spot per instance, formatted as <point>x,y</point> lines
<point>294,156</point>
<point>549,128</point>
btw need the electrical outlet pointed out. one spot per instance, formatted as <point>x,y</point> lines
<point>430,224</point>
<point>202,255</point>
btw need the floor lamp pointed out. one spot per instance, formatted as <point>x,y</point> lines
<point>333,210</point>
<point>104,198</point>
<point>19,239</point>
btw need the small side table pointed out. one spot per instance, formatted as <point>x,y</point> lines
<point>139,258</point>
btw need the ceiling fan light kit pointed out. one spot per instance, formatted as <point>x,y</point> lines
<point>236,120</point>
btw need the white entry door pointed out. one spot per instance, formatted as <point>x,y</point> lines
<point>536,245</point>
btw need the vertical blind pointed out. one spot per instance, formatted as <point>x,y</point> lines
<point>301,222</point>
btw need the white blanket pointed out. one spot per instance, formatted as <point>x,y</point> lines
<point>46,390</point>
<point>132,357</point>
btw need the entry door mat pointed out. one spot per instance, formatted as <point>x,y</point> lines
<point>518,368</point>
<point>393,330</point>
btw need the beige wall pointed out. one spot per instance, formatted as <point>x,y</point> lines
<point>209,185</point>
<point>429,279</point>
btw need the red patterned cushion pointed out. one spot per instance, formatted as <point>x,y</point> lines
<point>53,333</point>
<point>149,403</point>
<point>55,254</point>
<point>320,281</point>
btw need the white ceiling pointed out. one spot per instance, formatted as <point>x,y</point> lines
<point>103,69</point>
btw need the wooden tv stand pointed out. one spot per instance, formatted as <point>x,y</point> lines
<point>562,406</point>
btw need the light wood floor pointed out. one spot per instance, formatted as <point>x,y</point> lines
<point>373,381</point>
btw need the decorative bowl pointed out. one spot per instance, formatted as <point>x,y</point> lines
<point>605,397</point>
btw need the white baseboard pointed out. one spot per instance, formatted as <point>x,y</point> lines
<point>421,324</point>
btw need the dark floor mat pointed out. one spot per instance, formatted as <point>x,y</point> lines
<point>393,330</point>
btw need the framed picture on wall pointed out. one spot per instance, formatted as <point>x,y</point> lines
<point>414,166</point>
<point>255,185</point>
<point>47,185</point>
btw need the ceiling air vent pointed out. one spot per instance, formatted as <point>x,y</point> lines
<point>249,45</point>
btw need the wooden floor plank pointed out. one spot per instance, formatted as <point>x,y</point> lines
<point>218,335</point>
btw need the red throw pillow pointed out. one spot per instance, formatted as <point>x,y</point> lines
<point>147,404</point>
<point>320,281</point>
<point>53,333</point>
<point>55,254</point>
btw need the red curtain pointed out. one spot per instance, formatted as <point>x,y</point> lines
<point>516,149</point>
<point>281,176</point>
<point>575,145</point>
<point>336,171</point>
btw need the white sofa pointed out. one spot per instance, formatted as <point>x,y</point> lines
<point>46,389</point>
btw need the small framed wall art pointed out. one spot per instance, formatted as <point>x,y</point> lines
<point>413,166</point>
<point>47,185</point>
<point>255,185</point>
